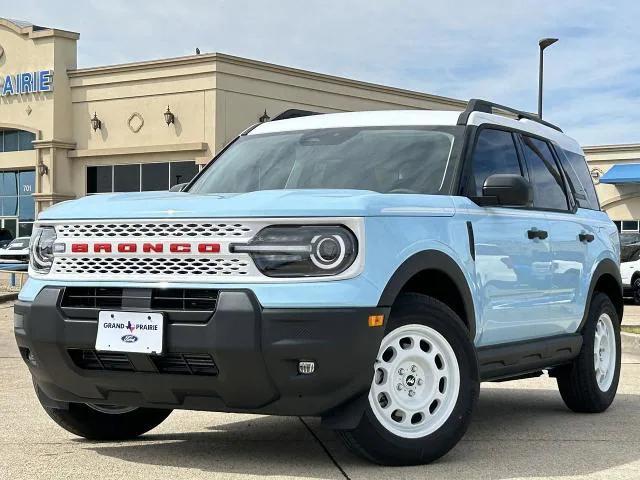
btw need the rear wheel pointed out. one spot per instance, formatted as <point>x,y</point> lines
<point>104,422</point>
<point>424,389</point>
<point>590,383</point>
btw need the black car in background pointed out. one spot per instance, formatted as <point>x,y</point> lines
<point>5,237</point>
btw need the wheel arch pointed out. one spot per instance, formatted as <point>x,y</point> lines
<point>606,279</point>
<point>447,283</point>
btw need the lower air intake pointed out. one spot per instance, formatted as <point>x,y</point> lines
<point>186,364</point>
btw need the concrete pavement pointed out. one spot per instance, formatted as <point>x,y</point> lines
<point>521,430</point>
<point>631,314</point>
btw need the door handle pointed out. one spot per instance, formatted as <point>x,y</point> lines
<point>535,233</point>
<point>586,237</point>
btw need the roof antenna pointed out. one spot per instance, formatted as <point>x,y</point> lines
<point>544,43</point>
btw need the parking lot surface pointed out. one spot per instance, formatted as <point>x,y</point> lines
<point>521,429</point>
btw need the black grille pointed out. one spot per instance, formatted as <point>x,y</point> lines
<point>180,304</point>
<point>94,360</point>
<point>184,299</point>
<point>92,297</point>
<point>172,363</point>
<point>186,364</point>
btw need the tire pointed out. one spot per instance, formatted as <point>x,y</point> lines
<point>582,388</point>
<point>419,330</point>
<point>635,286</point>
<point>101,422</point>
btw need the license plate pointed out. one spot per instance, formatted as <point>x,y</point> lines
<point>135,332</point>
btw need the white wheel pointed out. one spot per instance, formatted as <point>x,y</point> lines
<point>416,381</point>
<point>604,352</point>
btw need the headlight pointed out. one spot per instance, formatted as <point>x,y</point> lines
<point>41,248</point>
<point>302,251</point>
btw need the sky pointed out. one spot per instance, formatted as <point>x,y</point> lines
<point>462,49</point>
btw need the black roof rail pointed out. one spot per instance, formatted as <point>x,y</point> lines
<point>293,113</point>
<point>478,105</point>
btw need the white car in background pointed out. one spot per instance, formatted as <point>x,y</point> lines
<point>17,251</point>
<point>630,273</point>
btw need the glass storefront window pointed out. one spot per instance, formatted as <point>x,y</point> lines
<point>182,172</point>
<point>155,176</point>
<point>99,179</point>
<point>138,177</point>
<point>16,140</point>
<point>17,205</point>
<point>126,178</point>
<point>8,230</point>
<point>25,139</point>
<point>25,229</point>
<point>11,141</point>
<point>9,206</point>
<point>8,183</point>
<point>27,209</point>
<point>27,181</point>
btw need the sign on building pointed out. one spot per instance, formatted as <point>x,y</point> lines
<point>27,82</point>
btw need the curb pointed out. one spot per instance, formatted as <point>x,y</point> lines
<point>630,343</point>
<point>8,297</point>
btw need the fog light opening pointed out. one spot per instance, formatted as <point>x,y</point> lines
<point>28,356</point>
<point>306,367</point>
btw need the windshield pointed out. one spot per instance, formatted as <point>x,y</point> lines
<point>382,159</point>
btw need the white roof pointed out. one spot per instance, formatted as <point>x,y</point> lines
<point>396,118</point>
<point>566,142</point>
<point>378,118</point>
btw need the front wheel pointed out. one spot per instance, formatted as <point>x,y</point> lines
<point>424,389</point>
<point>104,422</point>
<point>590,383</point>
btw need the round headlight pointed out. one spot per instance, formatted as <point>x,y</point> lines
<point>327,251</point>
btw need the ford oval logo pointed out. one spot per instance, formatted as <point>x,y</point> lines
<point>129,339</point>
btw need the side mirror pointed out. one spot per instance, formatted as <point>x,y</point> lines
<point>508,190</point>
<point>178,187</point>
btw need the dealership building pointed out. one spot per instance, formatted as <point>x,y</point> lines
<point>66,132</point>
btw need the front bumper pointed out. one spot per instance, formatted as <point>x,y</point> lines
<point>256,353</point>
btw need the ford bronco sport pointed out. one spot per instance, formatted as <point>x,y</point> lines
<point>369,268</point>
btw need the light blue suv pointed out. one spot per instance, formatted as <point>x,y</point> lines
<point>370,268</point>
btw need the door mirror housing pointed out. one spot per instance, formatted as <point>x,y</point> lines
<point>507,190</point>
<point>178,187</point>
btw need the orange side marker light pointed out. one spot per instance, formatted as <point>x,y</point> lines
<point>376,320</point>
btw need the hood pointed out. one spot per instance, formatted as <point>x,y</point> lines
<point>266,203</point>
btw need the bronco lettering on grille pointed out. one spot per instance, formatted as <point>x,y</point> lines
<point>145,247</point>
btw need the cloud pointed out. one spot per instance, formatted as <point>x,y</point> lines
<point>461,49</point>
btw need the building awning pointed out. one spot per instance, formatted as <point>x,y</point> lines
<point>622,173</point>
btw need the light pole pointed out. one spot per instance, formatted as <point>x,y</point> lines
<point>544,43</point>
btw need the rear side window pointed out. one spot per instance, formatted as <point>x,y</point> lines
<point>579,178</point>
<point>495,152</point>
<point>548,185</point>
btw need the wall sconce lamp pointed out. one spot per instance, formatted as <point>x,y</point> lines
<point>42,169</point>
<point>264,117</point>
<point>169,117</point>
<point>96,123</point>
